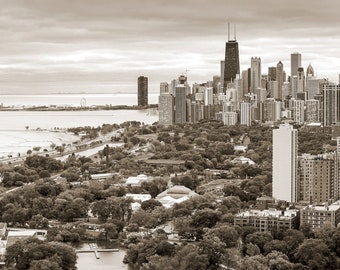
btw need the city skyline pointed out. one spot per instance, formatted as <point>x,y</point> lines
<point>62,46</point>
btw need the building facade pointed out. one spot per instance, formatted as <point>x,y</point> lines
<point>285,162</point>
<point>317,178</point>
<point>295,63</point>
<point>331,98</point>
<point>312,113</point>
<point>180,104</point>
<point>255,69</point>
<point>319,215</point>
<point>142,91</point>
<point>245,114</point>
<point>268,220</point>
<point>231,62</point>
<point>166,109</point>
<point>279,79</point>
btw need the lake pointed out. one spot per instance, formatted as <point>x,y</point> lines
<point>108,260</point>
<point>14,138</point>
<point>75,100</point>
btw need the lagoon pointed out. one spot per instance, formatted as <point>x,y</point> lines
<point>108,260</point>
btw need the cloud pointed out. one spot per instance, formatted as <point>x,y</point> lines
<point>72,41</point>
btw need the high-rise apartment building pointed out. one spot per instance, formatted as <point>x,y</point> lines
<point>142,91</point>
<point>229,118</point>
<point>320,215</point>
<point>317,178</point>
<point>271,74</point>
<point>166,109</point>
<point>272,110</point>
<point>180,101</point>
<point>273,89</point>
<point>222,67</point>
<point>312,114</point>
<point>279,79</point>
<point>208,96</point>
<point>294,86</point>
<point>255,69</point>
<point>295,63</point>
<point>312,87</point>
<point>298,110</point>
<point>245,80</point>
<point>337,170</point>
<point>216,84</point>
<point>245,113</point>
<point>331,95</point>
<point>301,80</point>
<point>285,163</point>
<point>164,88</point>
<point>231,62</point>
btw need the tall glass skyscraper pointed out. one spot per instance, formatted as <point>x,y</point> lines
<point>142,91</point>
<point>295,63</point>
<point>231,62</point>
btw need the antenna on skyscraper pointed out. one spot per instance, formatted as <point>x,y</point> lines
<point>228,31</point>
<point>235,32</point>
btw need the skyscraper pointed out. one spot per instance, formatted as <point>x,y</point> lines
<point>231,61</point>
<point>285,166</point>
<point>297,107</point>
<point>180,101</point>
<point>245,114</point>
<point>331,98</point>
<point>317,178</point>
<point>280,79</point>
<point>295,63</point>
<point>301,80</point>
<point>166,109</point>
<point>163,88</point>
<point>271,73</point>
<point>142,91</point>
<point>312,111</point>
<point>255,69</point>
<point>310,71</point>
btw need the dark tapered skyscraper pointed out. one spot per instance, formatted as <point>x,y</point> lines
<point>142,91</point>
<point>231,61</point>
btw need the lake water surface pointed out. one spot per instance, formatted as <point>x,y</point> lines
<point>107,260</point>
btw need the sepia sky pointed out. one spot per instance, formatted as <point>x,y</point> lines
<point>50,46</point>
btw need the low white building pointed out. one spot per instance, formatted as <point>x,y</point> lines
<point>175,194</point>
<point>136,181</point>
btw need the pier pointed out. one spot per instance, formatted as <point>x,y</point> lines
<point>94,249</point>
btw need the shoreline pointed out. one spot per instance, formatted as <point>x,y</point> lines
<point>85,108</point>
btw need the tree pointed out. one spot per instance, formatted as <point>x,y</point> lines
<point>214,249</point>
<point>144,219</point>
<point>205,218</point>
<point>150,205</point>
<point>33,252</point>
<point>257,262</point>
<point>259,239</point>
<point>293,238</point>
<point>277,245</point>
<point>315,254</point>
<point>38,222</point>
<point>227,234</point>
<point>101,209</point>
<point>190,258</point>
<point>279,261</point>
<point>109,231</point>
